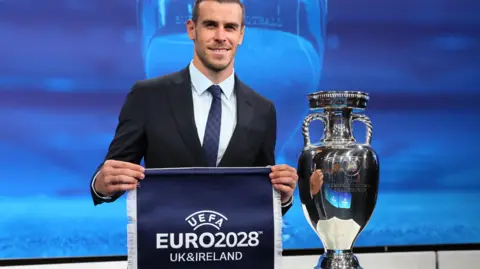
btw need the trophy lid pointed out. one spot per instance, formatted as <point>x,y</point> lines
<point>338,100</point>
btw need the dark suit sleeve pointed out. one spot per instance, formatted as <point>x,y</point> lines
<point>266,155</point>
<point>129,142</point>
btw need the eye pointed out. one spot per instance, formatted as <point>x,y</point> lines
<point>210,24</point>
<point>230,27</point>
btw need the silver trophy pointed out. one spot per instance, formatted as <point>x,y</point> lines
<point>339,207</point>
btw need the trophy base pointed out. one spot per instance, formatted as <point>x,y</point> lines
<point>338,259</point>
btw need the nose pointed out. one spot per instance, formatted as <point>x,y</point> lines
<point>220,34</point>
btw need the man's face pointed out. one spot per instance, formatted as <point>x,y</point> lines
<point>217,33</point>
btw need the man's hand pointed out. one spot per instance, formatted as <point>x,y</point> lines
<point>284,179</point>
<point>316,182</point>
<point>118,176</point>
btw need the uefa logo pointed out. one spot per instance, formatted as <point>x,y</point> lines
<point>206,217</point>
<point>209,239</point>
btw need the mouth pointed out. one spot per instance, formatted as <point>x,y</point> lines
<point>219,50</point>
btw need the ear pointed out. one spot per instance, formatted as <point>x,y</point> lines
<point>191,29</point>
<point>242,32</point>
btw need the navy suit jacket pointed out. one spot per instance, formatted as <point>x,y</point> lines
<point>156,123</point>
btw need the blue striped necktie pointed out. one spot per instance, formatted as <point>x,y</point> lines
<point>212,131</point>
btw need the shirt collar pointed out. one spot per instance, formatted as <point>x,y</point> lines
<point>201,83</point>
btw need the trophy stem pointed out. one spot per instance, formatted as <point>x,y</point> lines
<point>338,259</point>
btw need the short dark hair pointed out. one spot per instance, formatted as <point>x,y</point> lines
<point>197,3</point>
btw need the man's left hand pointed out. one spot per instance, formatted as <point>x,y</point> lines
<point>284,179</point>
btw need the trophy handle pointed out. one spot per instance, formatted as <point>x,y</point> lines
<point>368,124</point>
<point>306,127</point>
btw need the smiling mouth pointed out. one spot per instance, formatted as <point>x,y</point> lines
<point>219,50</point>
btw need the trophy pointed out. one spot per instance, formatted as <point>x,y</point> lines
<point>338,207</point>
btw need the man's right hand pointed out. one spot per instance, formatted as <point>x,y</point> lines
<point>116,176</point>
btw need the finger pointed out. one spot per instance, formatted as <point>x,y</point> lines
<point>279,167</point>
<point>283,180</point>
<point>316,180</point>
<point>284,173</point>
<point>291,185</point>
<point>121,179</point>
<point>283,188</point>
<point>292,169</point>
<point>317,175</point>
<point>126,165</point>
<point>127,172</point>
<point>284,167</point>
<point>122,187</point>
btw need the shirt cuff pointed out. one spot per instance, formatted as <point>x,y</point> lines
<point>95,192</point>
<point>288,203</point>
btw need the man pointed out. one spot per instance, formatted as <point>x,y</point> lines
<point>200,116</point>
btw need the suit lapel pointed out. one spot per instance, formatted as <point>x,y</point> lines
<point>181,104</point>
<point>244,117</point>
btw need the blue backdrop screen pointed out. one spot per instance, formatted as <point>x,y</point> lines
<point>67,65</point>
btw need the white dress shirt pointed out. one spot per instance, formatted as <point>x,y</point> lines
<point>202,100</point>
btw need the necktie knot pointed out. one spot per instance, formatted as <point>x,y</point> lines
<point>216,91</point>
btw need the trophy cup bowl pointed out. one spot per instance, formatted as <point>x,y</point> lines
<point>339,206</point>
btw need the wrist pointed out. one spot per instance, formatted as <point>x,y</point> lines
<point>97,186</point>
<point>288,201</point>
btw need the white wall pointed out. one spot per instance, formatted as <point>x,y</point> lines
<point>459,260</point>
<point>400,260</point>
